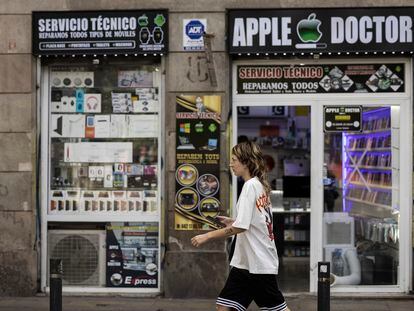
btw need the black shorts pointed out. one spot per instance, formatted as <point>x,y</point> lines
<point>242,287</point>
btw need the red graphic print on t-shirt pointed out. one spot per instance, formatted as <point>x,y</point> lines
<point>264,206</point>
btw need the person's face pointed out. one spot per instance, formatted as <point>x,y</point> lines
<point>236,166</point>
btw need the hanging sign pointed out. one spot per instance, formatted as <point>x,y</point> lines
<point>100,32</point>
<point>323,78</point>
<point>342,118</point>
<point>197,172</point>
<point>132,255</point>
<point>321,30</point>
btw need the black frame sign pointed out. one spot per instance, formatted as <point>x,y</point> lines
<point>197,175</point>
<point>321,78</point>
<point>342,119</point>
<point>321,30</point>
<point>100,32</point>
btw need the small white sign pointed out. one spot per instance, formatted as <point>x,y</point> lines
<point>193,31</point>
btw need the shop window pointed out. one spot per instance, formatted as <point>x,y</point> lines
<point>104,169</point>
<point>361,201</point>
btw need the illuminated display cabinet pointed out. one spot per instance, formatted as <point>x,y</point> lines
<point>368,171</point>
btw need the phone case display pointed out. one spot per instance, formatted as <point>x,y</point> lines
<point>368,176</point>
<point>293,234</point>
<point>104,129</point>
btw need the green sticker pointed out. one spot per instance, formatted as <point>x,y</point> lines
<point>159,20</point>
<point>212,127</point>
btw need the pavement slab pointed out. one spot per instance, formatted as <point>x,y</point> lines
<point>305,302</point>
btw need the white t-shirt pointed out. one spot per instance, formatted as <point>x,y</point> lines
<point>255,248</point>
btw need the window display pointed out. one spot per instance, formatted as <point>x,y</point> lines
<point>361,228</point>
<point>104,132</point>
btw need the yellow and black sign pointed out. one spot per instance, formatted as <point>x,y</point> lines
<point>342,118</point>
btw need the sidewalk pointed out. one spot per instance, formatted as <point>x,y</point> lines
<point>297,302</point>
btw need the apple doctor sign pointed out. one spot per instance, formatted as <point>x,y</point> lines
<point>321,30</point>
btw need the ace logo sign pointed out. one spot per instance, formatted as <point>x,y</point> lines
<point>193,31</point>
<point>321,30</point>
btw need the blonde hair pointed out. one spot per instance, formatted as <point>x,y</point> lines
<point>249,154</point>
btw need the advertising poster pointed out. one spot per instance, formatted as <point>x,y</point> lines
<point>132,255</point>
<point>197,172</point>
<point>323,78</point>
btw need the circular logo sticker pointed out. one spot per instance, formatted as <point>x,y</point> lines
<point>116,279</point>
<point>186,174</point>
<point>207,185</point>
<point>209,207</point>
<point>151,268</point>
<point>187,198</point>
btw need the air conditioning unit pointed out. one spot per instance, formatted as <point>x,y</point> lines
<point>82,253</point>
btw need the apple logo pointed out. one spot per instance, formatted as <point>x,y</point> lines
<point>308,29</point>
<point>143,20</point>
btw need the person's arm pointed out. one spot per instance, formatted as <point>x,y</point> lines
<point>227,221</point>
<point>200,239</point>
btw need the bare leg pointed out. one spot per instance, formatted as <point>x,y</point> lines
<point>223,308</point>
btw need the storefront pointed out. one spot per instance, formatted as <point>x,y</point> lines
<point>327,93</point>
<point>101,112</point>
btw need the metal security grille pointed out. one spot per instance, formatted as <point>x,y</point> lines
<point>80,257</point>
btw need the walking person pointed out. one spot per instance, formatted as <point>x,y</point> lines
<point>254,265</point>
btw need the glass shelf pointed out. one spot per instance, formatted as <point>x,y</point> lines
<point>368,202</point>
<point>370,149</point>
<point>385,168</point>
<point>374,186</point>
<point>387,131</point>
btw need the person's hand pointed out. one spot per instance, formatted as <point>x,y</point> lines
<point>225,220</point>
<point>199,240</point>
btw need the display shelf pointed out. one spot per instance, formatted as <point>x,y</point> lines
<point>371,167</point>
<point>53,188</point>
<point>369,149</point>
<point>368,203</point>
<point>104,142</point>
<point>293,210</point>
<point>97,217</point>
<point>297,241</point>
<point>368,156</point>
<point>374,186</point>
<point>296,226</point>
<point>292,228</point>
<point>294,258</point>
<point>379,131</point>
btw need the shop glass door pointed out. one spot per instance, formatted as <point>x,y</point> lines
<point>284,134</point>
<point>361,201</point>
